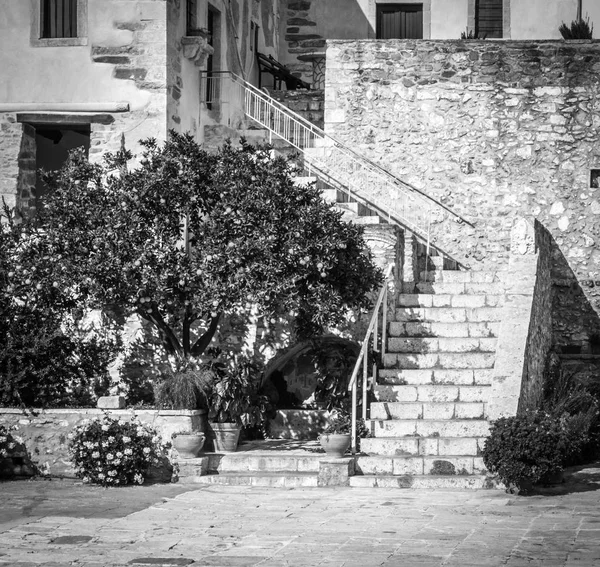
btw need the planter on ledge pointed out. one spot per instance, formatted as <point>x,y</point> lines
<point>225,436</point>
<point>188,445</point>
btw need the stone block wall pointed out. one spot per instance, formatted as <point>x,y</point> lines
<point>45,433</point>
<point>493,130</point>
<point>308,104</point>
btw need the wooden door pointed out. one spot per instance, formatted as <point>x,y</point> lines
<point>399,21</point>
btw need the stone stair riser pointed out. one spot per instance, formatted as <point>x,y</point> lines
<point>443,360</point>
<point>434,446</point>
<point>447,314</point>
<point>457,276</point>
<point>233,463</point>
<point>427,410</point>
<point>280,481</point>
<point>443,288</point>
<point>446,344</point>
<point>408,376</point>
<point>429,428</point>
<point>419,465</point>
<point>432,393</point>
<point>449,330</point>
<point>431,300</point>
<point>474,482</point>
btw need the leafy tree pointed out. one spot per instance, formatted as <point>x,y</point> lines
<point>190,237</point>
<point>45,358</point>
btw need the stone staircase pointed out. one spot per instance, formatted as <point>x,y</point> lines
<point>429,420</point>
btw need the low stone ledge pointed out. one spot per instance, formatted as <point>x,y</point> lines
<point>45,432</point>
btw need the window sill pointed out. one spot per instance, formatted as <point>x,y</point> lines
<point>59,42</point>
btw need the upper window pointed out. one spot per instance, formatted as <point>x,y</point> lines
<point>488,19</point>
<point>399,21</point>
<point>58,18</point>
<point>59,22</point>
<point>191,18</point>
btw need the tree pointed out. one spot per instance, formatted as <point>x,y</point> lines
<point>190,237</point>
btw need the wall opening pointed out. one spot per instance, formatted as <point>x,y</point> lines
<point>399,21</point>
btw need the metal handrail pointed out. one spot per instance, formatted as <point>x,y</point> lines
<point>340,166</point>
<point>363,357</point>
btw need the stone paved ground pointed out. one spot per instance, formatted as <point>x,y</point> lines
<point>63,523</point>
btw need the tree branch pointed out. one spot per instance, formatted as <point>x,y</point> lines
<point>203,342</point>
<point>168,335</point>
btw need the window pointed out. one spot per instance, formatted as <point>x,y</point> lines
<point>191,18</point>
<point>59,23</point>
<point>399,21</point>
<point>488,19</point>
<point>58,18</point>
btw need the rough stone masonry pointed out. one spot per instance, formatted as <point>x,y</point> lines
<point>494,130</point>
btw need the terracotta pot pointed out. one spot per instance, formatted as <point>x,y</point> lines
<point>188,445</point>
<point>335,444</point>
<point>225,436</point>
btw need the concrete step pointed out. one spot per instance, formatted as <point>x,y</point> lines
<point>428,410</point>
<point>268,479</point>
<point>419,465</point>
<point>459,276</point>
<point>444,344</point>
<point>428,427</point>
<point>461,376</point>
<point>443,360</point>
<point>453,288</point>
<point>431,329</point>
<point>447,314</point>
<point>447,300</point>
<point>433,446</point>
<point>243,462</point>
<point>431,393</point>
<point>475,482</point>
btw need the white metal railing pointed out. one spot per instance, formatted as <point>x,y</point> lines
<point>338,165</point>
<point>375,340</point>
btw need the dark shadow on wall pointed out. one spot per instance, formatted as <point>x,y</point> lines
<point>576,323</point>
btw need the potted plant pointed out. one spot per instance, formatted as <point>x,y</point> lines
<point>337,435</point>
<point>186,387</point>
<point>235,402</point>
<point>188,443</point>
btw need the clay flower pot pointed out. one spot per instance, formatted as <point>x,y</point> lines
<point>335,444</point>
<point>225,436</point>
<point>188,445</point>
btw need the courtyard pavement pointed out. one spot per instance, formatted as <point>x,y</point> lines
<point>59,522</point>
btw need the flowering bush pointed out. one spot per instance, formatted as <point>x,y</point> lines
<point>7,442</point>
<point>109,452</point>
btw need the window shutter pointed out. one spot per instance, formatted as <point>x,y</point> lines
<point>489,18</point>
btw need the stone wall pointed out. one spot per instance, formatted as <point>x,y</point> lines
<point>308,104</point>
<point>493,130</point>
<point>45,432</point>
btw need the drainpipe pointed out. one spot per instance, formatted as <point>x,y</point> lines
<point>579,10</point>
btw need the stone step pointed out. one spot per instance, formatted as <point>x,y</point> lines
<point>453,288</point>
<point>428,410</point>
<point>446,360</point>
<point>444,344</point>
<point>231,462</point>
<point>431,393</point>
<point>428,427</point>
<point>433,446</point>
<point>459,276</point>
<point>462,376</point>
<point>268,479</point>
<point>419,465</point>
<point>429,329</point>
<point>447,300</point>
<point>475,482</point>
<point>447,314</point>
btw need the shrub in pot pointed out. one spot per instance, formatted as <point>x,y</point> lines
<point>337,435</point>
<point>525,449</point>
<point>185,388</point>
<point>235,402</point>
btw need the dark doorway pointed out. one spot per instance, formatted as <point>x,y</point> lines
<point>399,21</point>
<point>213,24</point>
<point>53,145</point>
